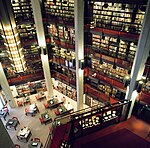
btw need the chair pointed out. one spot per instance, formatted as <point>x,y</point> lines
<point>37,139</point>
<point>26,111</point>
<point>63,99</point>
<point>56,112</point>
<point>16,119</point>
<point>37,109</point>
<point>17,146</point>
<point>20,103</point>
<point>41,120</point>
<point>45,105</point>
<point>5,109</point>
<point>37,97</point>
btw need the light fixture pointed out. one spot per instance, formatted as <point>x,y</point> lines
<point>93,24</point>
<point>91,2</point>
<point>139,85</point>
<point>94,74</point>
<point>81,64</point>
<point>103,36</point>
<point>73,62</point>
<point>118,39</point>
<point>126,80</point>
<point>13,45</point>
<point>101,60</point>
<point>114,65</point>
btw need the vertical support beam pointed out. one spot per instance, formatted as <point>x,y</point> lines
<point>79,48</point>
<point>5,138</point>
<point>141,55</point>
<point>36,6</point>
<point>6,88</point>
<point>11,36</point>
<point>48,79</point>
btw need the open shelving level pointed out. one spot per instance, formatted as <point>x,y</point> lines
<point>115,48</point>
<point>117,16</point>
<point>112,45</point>
<point>22,11</point>
<point>62,33</point>
<point>64,10</point>
<point>113,32</point>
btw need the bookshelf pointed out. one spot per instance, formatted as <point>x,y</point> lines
<point>62,10</point>
<point>114,47</point>
<point>66,90</point>
<point>22,11</point>
<point>62,33</point>
<point>107,69</point>
<point>27,32</point>
<point>118,16</point>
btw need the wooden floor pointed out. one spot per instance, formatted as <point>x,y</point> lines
<point>135,125</point>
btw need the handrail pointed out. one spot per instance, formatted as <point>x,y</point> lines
<point>84,112</point>
<point>47,143</point>
<point>77,120</point>
<point>50,137</point>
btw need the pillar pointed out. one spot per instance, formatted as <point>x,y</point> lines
<point>47,75</point>
<point>140,58</point>
<point>6,89</point>
<point>36,6</point>
<point>79,49</point>
<point>11,36</point>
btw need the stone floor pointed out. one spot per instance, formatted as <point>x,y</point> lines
<point>38,130</point>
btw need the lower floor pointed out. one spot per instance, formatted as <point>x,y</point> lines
<point>32,122</point>
<point>41,131</point>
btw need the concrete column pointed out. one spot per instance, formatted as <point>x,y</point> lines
<point>6,88</point>
<point>5,141</point>
<point>141,55</point>
<point>11,36</point>
<point>79,49</point>
<point>47,75</point>
<point>36,6</point>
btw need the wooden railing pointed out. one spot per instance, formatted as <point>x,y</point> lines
<point>89,120</point>
<point>25,78</point>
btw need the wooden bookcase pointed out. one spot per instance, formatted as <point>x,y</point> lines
<point>118,16</point>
